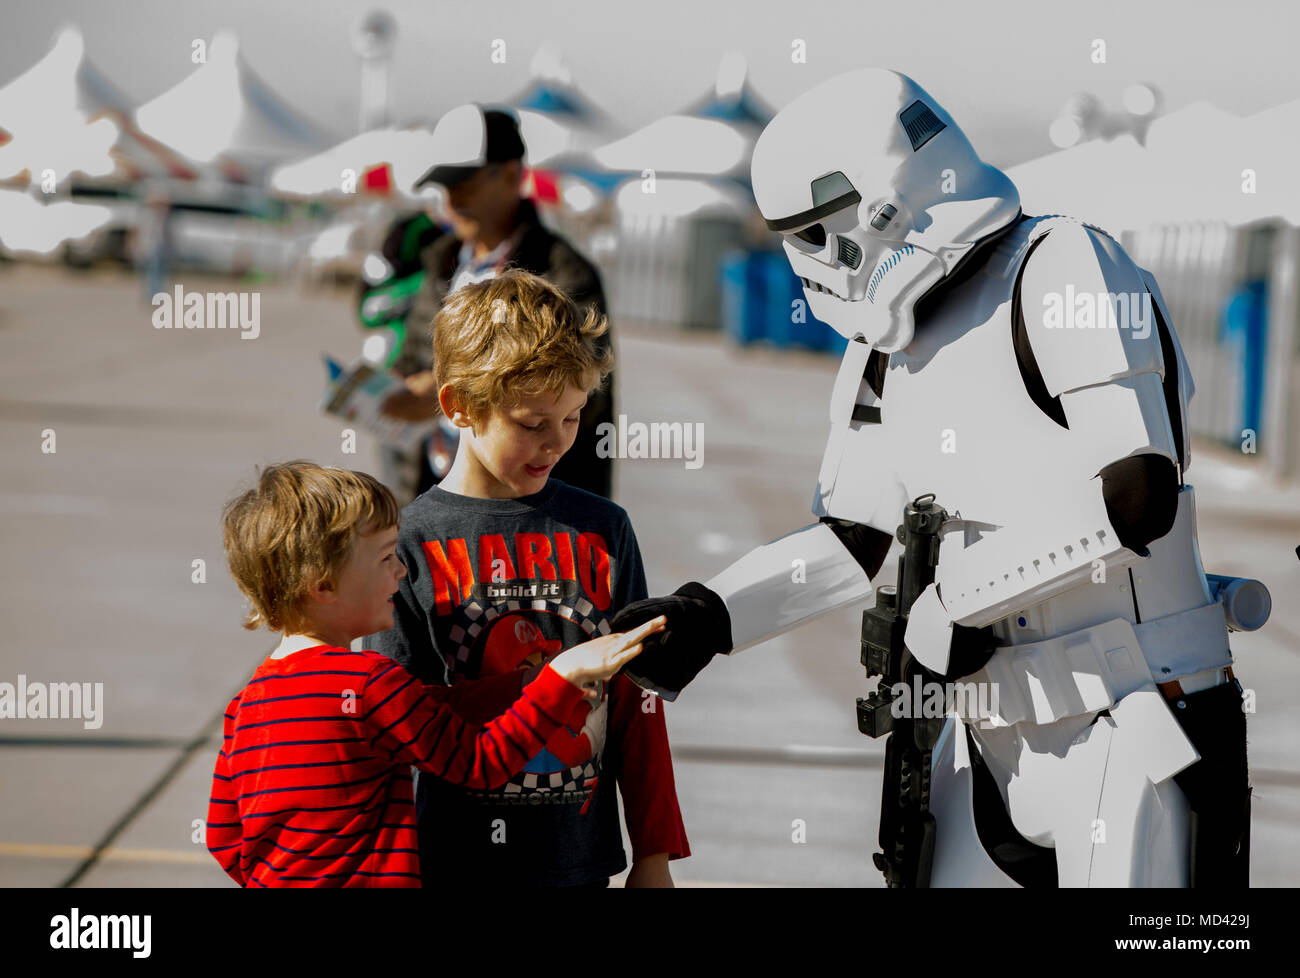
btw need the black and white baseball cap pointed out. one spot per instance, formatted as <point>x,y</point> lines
<point>468,138</point>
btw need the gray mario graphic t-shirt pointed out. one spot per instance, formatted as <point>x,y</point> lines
<point>494,586</point>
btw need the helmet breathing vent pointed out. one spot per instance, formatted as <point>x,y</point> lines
<point>849,253</point>
<point>921,124</point>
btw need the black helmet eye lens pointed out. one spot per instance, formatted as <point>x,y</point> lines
<point>814,234</point>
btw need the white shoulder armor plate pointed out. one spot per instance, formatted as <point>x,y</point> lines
<point>1087,311</point>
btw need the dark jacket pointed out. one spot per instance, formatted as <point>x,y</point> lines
<point>544,253</point>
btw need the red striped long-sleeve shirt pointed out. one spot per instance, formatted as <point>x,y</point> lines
<point>312,786</point>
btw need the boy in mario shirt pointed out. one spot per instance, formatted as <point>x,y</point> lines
<point>507,567</point>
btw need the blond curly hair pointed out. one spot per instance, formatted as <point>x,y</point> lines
<point>296,529</point>
<point>514,337</point>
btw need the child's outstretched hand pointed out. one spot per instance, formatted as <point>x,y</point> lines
<point>602,657</point>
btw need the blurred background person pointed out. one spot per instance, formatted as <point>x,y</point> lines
<point>157,243</point>
<point>493,227</point>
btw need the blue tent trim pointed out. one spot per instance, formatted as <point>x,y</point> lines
<point>744,107</point>
<point>545,98</point>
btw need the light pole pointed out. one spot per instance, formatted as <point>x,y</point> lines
<point>373,41</point>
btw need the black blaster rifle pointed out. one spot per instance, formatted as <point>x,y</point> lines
<point>907,828</point>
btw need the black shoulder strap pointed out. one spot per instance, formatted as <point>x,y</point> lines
<point>1025,359</point>
<point>874,375</point>
<point>1172,404</point>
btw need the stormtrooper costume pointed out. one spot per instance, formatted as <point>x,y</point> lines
<point>1026,372</point>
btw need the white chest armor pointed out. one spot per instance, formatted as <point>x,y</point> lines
<point>1027,520</point>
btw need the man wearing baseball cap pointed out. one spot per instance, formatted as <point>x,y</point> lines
<point>479,165</point>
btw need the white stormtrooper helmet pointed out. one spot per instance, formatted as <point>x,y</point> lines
<point>878,196</point>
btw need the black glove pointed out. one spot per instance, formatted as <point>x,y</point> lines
<point>698,628</point>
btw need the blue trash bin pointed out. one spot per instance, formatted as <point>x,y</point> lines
<point>759,291</point>
<point>1244,332</point>
<point>780,288</point>
<point>743,297</point>
<point>733,272</point>
<point>784,289</point>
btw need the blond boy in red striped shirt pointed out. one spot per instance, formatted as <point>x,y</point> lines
<point>312,785</point>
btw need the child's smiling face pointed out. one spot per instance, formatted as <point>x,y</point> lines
<point>366,584</point>
<point>512,451</point>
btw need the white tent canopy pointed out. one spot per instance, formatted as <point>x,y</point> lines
<point>1101,182</point>
<point>560,125</point>
<point>406,151</point>
<point>680,144</point>
<point>1195,152</point>
<point>1191,168</point>
<point>1271,149</point>
<point>62,84</point>
<point>677,197</point>
<point>714,138</point>
<point>61,149</point>
<point>223,113</point>
<point>39,227</point>
<point>66,117</point>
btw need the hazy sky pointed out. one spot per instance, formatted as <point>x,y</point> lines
<point>1003,69</point>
